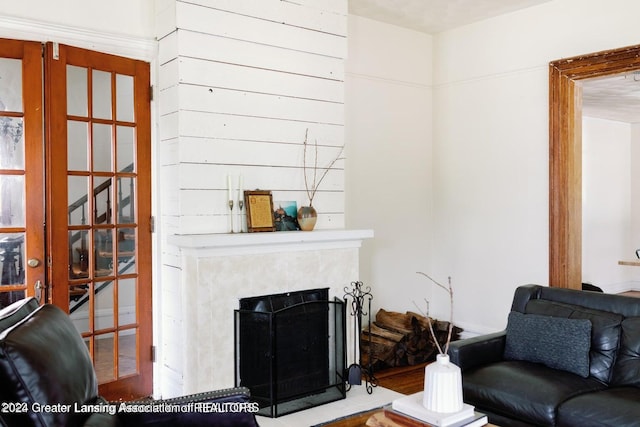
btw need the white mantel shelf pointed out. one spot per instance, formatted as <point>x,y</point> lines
<point>203,245</point>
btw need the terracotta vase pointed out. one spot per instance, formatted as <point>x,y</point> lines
<point>307,217</point>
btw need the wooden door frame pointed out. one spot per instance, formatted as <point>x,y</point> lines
<point>565,155</point>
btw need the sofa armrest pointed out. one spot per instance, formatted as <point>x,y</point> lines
<point>233,394</point>
<point>477,351</point>
<point>228,407</point>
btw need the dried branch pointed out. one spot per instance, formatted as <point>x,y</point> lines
<point>312,187</point>
<point>433,334</point>
<point>449,290</point>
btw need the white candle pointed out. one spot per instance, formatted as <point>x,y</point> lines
<point>240,189</point>
<point>229,190</point>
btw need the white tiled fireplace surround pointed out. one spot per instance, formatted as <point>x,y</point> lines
<point>216,270</point>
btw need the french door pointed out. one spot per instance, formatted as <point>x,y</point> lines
<point>93,248</point>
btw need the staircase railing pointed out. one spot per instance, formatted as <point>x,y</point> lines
<point>85,298</point>
<point>124,202</point>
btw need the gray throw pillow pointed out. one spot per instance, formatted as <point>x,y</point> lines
<point>556,342</point>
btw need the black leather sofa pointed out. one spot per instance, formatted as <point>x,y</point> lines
<point>47,380</point>
<point>543,371</point>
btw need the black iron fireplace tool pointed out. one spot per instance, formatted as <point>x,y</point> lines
<point>355,372</point>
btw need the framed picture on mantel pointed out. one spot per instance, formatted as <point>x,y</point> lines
<point>259,210</point>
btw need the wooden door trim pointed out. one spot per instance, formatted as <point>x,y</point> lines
<point>56,160</point>
<point>565,155</point>
<point>34,144</point>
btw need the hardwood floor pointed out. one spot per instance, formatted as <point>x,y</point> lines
<point>405,380</point>
<point>635,294</point>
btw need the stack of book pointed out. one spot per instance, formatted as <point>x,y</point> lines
<point>409,411</point>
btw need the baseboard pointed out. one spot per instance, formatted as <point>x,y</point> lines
<point>618,288</point>
<point>470,330</point>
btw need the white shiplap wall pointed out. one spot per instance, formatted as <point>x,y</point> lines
<point>240,82</point>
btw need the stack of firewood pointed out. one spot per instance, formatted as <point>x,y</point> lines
<point>402,339</point>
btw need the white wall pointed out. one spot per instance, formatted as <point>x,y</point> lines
<point>606,202</point>
<point>491,144</point>
<point>389,158</point>
<point>634,238</point>
<point>138,21</point>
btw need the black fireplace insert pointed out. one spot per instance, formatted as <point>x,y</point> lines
<point>290,350</point>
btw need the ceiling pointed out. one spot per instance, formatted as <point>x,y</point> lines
<point>613,98</point>
<point>434,16</point>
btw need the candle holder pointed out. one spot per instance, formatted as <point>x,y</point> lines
<point>240,221</point>
<point>231,215</point>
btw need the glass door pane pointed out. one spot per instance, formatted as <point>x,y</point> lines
<point>96,262</point>
<point>21,235</point>
<point>12,258</point>
<point>12,184</point>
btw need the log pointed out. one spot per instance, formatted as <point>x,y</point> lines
<point>377,331</point>
<point>379,346</point>
<point>401,339</point>
<point>394,321</point>
<point>424,321</point>
<point>382,343</point>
